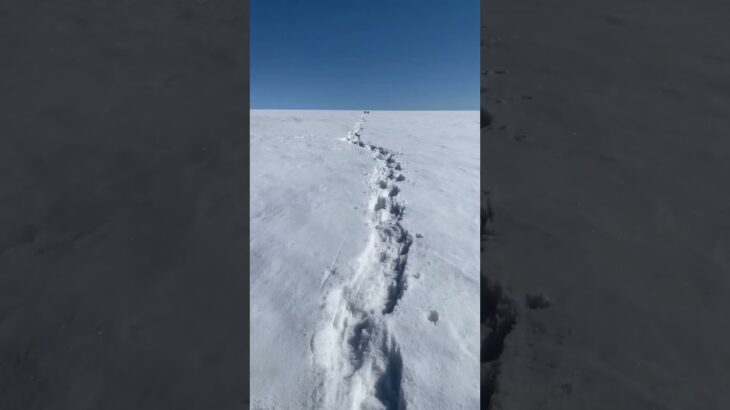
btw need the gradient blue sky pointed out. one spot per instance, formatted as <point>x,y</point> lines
<point>365,54</point>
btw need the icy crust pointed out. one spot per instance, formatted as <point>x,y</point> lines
<point>370,299</point>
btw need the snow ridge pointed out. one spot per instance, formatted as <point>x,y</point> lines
<point>359,360</point>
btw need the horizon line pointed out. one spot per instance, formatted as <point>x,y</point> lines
<point>366,109</point>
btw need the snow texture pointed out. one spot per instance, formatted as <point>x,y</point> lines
<point>364,260</point>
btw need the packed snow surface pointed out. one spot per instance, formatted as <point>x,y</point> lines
<point>364,260</point>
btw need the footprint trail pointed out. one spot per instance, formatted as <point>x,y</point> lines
<point>358,358</point>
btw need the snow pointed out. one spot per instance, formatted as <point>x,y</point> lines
<point>364,260</point>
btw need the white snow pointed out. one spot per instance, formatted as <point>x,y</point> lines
<point>364,260</point>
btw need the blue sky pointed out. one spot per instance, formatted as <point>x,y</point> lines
<point>365,54</point>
